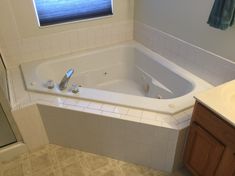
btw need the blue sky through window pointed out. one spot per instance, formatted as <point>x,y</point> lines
<point>60,11</point>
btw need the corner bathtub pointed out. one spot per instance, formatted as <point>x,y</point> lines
<point>128,74</point>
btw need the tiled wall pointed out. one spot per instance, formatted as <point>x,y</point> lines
<point>183,19</point>
<point>208,66</point>
<point>22,40</point>
<point>42,47</point>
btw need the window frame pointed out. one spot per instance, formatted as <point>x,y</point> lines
<point>71,22</point>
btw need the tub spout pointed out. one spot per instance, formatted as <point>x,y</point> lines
<point>64,82</point>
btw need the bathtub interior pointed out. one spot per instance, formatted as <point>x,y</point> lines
<point>125,70</point>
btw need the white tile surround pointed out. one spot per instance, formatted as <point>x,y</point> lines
<point>28,49</point>
<point>208,66</point>
<point>160,133</point>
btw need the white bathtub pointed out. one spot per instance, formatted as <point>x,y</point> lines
<point>127,74</point>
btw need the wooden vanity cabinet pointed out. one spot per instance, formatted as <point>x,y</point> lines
<point>227,164</point>
<point>210,148</point>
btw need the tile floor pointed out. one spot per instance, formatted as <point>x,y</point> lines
<point>54,160</point>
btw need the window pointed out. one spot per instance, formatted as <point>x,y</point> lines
<point>51,12</point>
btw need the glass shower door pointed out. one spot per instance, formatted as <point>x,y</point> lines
<point>6,134</point>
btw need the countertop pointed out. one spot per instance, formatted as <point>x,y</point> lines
<point>220,100</point>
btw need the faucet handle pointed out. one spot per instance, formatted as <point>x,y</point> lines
<point>75,88</point>
<point>50,84</point>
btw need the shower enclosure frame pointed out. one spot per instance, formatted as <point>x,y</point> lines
<point>5,103</point>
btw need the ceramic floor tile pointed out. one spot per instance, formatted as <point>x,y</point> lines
<point>74,169</point>
<point>53,160</point>
<point>49,172</point>
<point>64,154</point>
<point>41,162</point>
<point>95,162</point>
<point>15,170</point>
<point>107,171</point>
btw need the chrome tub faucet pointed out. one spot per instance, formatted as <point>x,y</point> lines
<point>64,82</point>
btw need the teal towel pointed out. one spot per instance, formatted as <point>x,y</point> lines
<point>222,14</point>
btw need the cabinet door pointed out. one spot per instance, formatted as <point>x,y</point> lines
<point>203,152</point>
<point>227,164</point>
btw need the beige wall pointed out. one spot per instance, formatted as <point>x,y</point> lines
<point>22,40</point>
<point>187,19</point>
<point>27,23</point>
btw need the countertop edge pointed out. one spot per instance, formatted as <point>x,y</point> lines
<point>221,115</point>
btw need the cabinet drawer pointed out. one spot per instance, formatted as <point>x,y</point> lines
<point>214,125</point>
